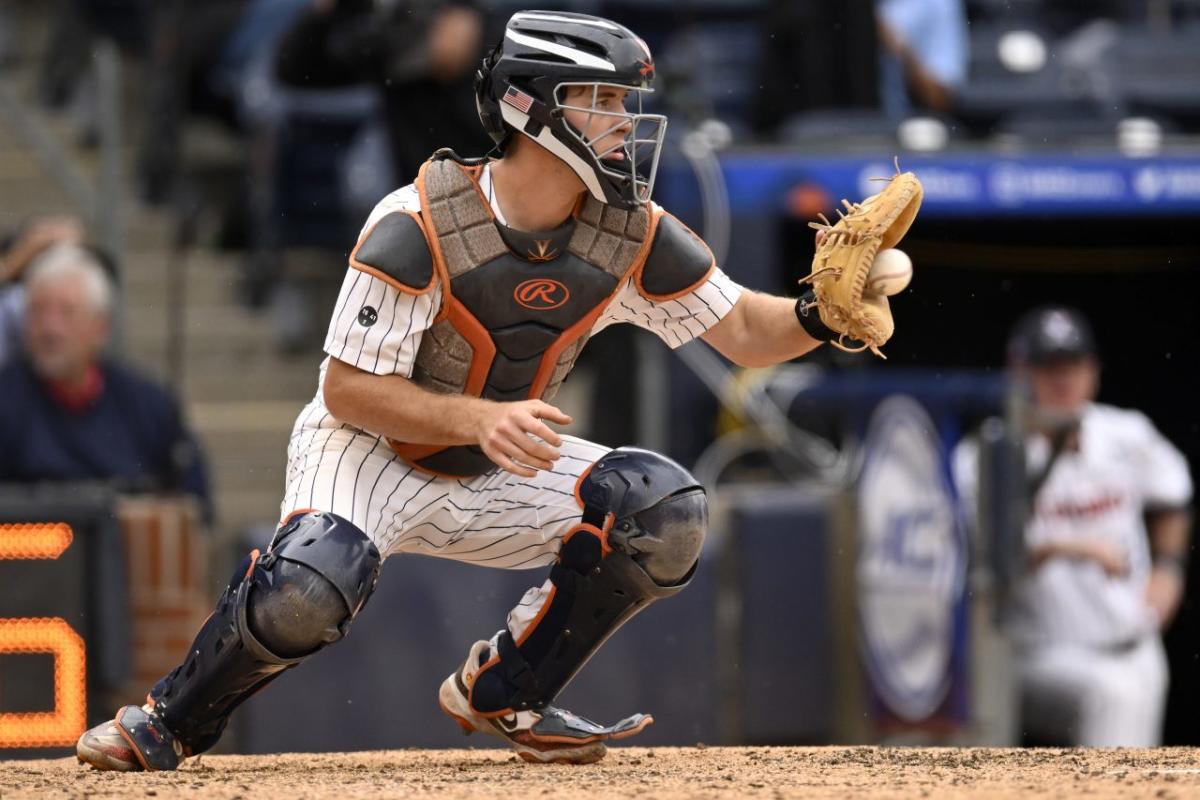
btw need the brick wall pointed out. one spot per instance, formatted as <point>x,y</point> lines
<point>169,593</point>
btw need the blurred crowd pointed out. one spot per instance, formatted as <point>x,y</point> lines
<point>72,411</point>
<point>333,103</point>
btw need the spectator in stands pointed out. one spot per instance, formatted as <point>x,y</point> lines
<point>17,250</point>
<point>869,61</point>
<point>1106,545</point>
<point>67,413</point>
<point>200,55</point>
<point>421,53</point>
<point>924,54</point>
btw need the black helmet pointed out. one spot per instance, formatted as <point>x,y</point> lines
<point>523,81</point>
<point>1050,334</point>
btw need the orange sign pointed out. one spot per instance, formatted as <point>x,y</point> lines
<point>29,541</point>
<point>62,726</point>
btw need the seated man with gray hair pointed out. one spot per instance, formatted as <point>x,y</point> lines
<point>70,413</point>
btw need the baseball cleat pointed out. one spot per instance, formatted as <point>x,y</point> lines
<point>136,739</point>
<point>545,735</point>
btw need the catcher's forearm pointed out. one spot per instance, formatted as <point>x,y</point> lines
<point>398,408</point>
<point>759,331</point>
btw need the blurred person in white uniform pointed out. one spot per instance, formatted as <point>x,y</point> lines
<point>1105,547</point>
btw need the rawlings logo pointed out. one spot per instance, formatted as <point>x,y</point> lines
<point>544,253</point>
<point>541,294</point>
<point>647,68</point>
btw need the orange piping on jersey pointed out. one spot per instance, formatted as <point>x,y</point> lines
<point>568,337</point>
<point>383,276</point>
<point>435,245</point>
<point>673,295</point>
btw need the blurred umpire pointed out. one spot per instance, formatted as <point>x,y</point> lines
<point>1105,545</point>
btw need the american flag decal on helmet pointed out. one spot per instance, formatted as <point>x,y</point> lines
<point>518,99</point>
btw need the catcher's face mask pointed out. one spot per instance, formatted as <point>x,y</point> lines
<point>620,145</point>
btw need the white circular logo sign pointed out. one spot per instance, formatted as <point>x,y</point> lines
<point>912,559</point>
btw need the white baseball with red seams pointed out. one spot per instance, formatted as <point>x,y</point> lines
<point>890,273</point>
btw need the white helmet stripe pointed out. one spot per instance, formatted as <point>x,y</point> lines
<point>548,140</point>
<point>595,23</point>
<point>642,44</point>
<point>578,56</point>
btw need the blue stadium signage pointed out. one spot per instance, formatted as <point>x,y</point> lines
<point>912,560</point>
<point>980,184</point>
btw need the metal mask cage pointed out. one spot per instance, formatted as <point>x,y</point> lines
<point>640,147</point>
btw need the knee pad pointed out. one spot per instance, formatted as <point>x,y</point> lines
<point>319,572</point>
<point>660,511</point>
<point>643,526</point>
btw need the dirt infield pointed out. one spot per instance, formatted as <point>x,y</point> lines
<point>766,772</point>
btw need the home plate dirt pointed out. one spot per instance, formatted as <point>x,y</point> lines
<point>638,772</point>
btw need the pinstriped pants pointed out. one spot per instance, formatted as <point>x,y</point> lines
<point>496,519</point>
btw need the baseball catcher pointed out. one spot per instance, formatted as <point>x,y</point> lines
<point>468,298</point>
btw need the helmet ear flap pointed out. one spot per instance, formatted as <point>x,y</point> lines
<point>485,100</point>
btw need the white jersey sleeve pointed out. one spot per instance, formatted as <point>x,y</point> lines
<point>1161,468</point>
<point>676,321</point>
<point>376,327</point>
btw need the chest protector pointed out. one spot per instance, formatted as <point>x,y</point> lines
<point>517,308</point>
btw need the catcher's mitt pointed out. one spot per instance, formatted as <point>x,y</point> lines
<point>844,257</point>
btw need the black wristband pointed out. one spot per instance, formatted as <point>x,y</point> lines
<point>810,319</point>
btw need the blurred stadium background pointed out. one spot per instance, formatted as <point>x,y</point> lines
<point>224,155</point>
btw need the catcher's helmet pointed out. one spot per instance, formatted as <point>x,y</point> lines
<point>1051,334</point>
<point>523,81</point>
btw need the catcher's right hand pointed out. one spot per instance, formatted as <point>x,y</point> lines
<point>845,252</point>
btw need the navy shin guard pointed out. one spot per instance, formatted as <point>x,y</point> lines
<point>279,608</point>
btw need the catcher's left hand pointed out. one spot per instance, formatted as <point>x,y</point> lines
<point>845,252</point>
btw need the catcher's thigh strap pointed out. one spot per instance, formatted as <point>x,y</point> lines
<point>279,608</point>
<point>652,517</point>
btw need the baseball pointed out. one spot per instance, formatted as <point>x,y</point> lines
<point>890,273</point>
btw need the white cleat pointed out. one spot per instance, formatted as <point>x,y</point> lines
<point>547,735</point>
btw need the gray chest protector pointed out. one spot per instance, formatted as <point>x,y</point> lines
<point>517,308</point>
